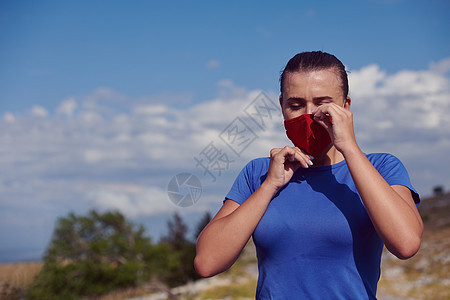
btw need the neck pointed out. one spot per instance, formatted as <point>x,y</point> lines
<point>328,157</point>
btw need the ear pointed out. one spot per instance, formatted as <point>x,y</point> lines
<point>347,103</point>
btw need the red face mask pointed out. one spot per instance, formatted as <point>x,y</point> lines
<point>307,134</point>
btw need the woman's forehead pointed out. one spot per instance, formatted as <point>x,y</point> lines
<point>312,80</point>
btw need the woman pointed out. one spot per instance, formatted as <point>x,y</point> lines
<point>320,211</point>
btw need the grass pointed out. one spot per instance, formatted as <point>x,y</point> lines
<point>238,290</point>
<point>16,278</point>
<point>243,275</point>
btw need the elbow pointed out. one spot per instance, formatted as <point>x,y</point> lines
<point>202,267</point>
<point>206,266</point>
<point>408,248</point>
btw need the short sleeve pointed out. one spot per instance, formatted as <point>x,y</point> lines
<point>248,180</point>
<point>395,173</point>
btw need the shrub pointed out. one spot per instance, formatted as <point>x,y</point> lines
<point>92,255</point>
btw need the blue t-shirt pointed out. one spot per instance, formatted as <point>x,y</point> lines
<point>316,240</point>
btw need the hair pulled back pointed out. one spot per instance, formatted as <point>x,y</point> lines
<point>315,61</point>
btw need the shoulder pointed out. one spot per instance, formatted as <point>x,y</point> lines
<point>388,165</point>
<point>379,156</point>
<point>248,180</point>
<point>380,159</point>
<point>393,171</point>
<point>254,170</point>
<point>257,165</point>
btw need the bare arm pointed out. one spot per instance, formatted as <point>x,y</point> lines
<point>221,242</point>
<point>391,208</point>
<point>223,239</point>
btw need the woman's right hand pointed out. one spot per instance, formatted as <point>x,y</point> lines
<point>283,163</point>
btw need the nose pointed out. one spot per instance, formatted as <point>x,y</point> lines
<point>310,107</point>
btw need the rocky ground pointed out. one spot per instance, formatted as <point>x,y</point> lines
<point>425,276</point>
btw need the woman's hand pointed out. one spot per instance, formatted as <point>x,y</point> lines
<point>283,163</point>
<point>340,128</point>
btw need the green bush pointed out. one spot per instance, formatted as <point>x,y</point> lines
<point>98,253</point>
<point>180,253</point>
<point>92,255</point>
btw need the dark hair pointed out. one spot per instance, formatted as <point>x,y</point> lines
<point>314,61</point>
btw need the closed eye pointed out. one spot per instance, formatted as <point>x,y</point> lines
<point>296,103</point>
<point>323,100</point>
<point>296,106</point>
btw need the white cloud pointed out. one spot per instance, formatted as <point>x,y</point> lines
<point>91,117</point>
<point>364,82</point>
<point>133,202</point>
<point>39,111</point>
<point>225,83</point>
<point>67,107</point>
<point>180,99</point>
<point>213,64</point>
<point>441,67</point>
<point>405,113</point>
<point>228,89</point>
<point>9,118</point>
<point>104,94</point>
<point>92,155</point>
<point>406,100</point>
<point>104,100</point>
<point>150,110</point>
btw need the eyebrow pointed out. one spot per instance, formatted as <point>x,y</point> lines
<point>295,99</point>
<point>315,99</point>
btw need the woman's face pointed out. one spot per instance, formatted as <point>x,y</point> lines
<point>304,91</point>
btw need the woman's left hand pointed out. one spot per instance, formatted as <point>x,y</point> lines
<point>340,128</point>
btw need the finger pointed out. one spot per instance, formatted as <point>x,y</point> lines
<point>286,154</point>
<point>292,155</point>
<point>328,108</point>
<point>274,151</point>
<point>337,113</point>
<point>304,159</point>
<point>280,155</point>
<point>327,114</point>
<point>325,120</point>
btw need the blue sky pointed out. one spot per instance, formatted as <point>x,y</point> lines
<point>103,102</point>
<point>54,48</point>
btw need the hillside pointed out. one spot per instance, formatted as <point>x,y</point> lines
<point>427,274</point>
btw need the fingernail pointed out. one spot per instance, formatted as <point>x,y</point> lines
<point>310,163</point>
<point>312,157</point>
